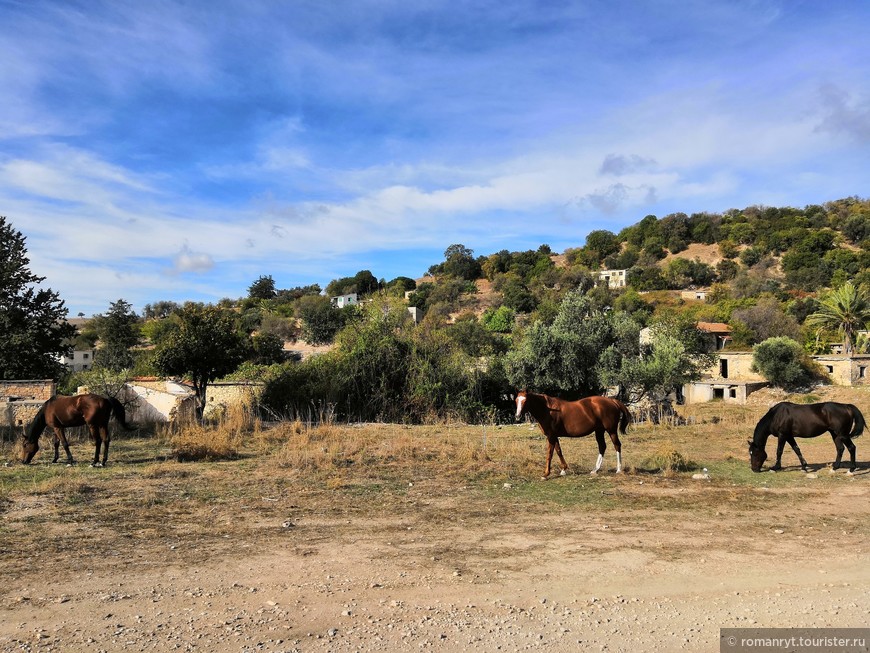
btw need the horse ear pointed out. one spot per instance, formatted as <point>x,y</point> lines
<point>749,442</point>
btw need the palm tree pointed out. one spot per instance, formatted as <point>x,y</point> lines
<point>846,310</point>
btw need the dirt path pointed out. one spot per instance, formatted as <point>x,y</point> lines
<point>567,582</point>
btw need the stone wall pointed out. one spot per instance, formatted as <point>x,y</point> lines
<point>32,390</point>
<point>219,396</point>
<point>21,400</point>
<point>18,414</point>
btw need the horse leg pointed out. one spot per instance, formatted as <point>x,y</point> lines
<point>98,440</point>
<point>838,442</point>
<point>550,446</point>
<point>59,433</point>
<point>562,462</point>
<point>602,447</point>
<point>614,438</point>
<point>56,442</point>
<point>106,439</point>
<point>797,451</point>
<point>851,447</point>
<point>780,445</point>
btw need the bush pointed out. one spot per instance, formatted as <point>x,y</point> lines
<point>783,362</point>
<point>668,460</point>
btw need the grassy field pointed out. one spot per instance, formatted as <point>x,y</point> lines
<point>235,473</point>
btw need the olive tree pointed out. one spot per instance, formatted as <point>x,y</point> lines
<point>206,346</point>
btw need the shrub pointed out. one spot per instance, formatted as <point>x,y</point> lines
<point>783,362</point>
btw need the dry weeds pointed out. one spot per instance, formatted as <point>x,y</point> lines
<point>249,479</point>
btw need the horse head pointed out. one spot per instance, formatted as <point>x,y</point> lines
<point>757,456</point>
<point>521,403</point>
<point>28,450</point>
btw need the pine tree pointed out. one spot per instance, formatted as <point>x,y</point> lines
<point>33,327</point>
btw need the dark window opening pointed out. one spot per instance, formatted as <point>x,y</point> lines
<point>718,393</point>
<point>723,368</point>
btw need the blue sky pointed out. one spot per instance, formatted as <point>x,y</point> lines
<point>179,150</point>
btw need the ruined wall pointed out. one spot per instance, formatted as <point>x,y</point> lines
<point>21,400</point>
<point>219,396</point>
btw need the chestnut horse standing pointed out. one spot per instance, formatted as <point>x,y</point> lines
<point>62,412</point>
<point>574,419</point>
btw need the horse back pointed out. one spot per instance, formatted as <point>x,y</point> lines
<point>809,421</point>
<point>589,415</point>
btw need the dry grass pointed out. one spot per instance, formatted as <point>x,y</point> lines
<point>668,460</point>
<point>327,449</point>
<point>248,478</point>
<point>219,441</point>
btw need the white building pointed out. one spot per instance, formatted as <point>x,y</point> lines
<point>81,359</point>
<point>613,278</point>
<point>344,300</point>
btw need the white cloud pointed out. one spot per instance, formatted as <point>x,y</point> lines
<point>189,261</point>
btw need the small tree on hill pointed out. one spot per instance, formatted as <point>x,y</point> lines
<point>262,288</point>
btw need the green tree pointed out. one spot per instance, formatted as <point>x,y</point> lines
<point>118,331</point>
<point>320,319</point>
<point>671,357</point>
<point>262,288</point>
<point>500,320</point>
<point>562,358</point>
<point>458,262</point>
<point>33,327</point>
<point>783,362</point>
<point>160,310</point>
<point>845,310</point>
<point>266,349</point>
<point>206,346</point>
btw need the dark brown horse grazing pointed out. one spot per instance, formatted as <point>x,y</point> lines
<point>574,419</point>
<point>63,412</point>
<point>788,421</point>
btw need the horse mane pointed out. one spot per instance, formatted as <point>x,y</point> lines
<point>762,429</point>
<point>37,426</point>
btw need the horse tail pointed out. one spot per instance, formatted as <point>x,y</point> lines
<point>120,413</point>
<point>625,418</point>
<point>858,425</point>
<point>37,426</point>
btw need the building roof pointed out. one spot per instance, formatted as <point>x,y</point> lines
<point>714,327</point>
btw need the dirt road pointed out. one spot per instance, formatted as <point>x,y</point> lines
<point>621,581</point>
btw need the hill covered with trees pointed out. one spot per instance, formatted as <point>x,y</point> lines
<point>530,318</point>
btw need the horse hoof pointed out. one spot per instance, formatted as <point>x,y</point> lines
<point>594,472</point>
<point>564,472</point>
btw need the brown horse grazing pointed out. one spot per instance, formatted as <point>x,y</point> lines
<point>62,412</point>
<point>788,421</point>
<point>574,419</point>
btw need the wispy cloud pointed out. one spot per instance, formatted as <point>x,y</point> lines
<point>164,150</point>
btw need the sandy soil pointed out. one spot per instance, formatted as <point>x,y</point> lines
<point>573,581</point>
